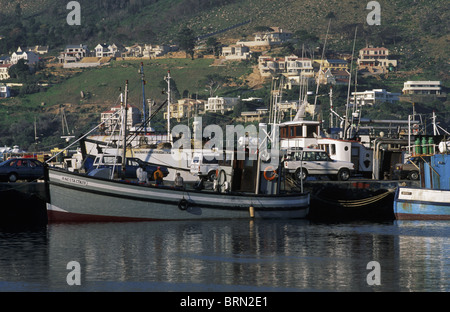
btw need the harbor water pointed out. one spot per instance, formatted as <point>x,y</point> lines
<point>227,256</point>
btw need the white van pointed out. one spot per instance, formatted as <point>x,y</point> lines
<point>204,165</point>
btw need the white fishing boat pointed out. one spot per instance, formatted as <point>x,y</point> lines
<point>241,190</point>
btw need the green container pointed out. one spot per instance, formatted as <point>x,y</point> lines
<point>430,146</point>
<point>417,146</point>
<point>424,145</point>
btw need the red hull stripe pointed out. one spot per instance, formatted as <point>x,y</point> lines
<point>411,216</point>
<point>58,216</point>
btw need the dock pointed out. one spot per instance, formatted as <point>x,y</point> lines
<point>23,203</point>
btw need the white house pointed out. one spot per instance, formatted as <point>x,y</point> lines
<point>4,71</point>
<point>73,53</point>
<point>372,97</point>
<point>4,91</point>
<point>375,58</point>
<point>275,36</point>
<point>422,87</point>
<point>221,104</point>
<point>333,77</point>
<point>31,58</point>
<point>106,50</point>
<point>151,50</point>
<point>236,52</point>
<point>135,50</point>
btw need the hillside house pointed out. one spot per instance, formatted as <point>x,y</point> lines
<point>221,104</point>
<point>4,68</point>
<point>333,64</point>
<point>152,51</point>
<point>5,59</point>
<point>333,77</point>
<point>375,60</point>
<point>113,124</point>
<point>422,87</point>
<point>236,52</point>
<point>107,50</point>
<point>185,108</point>
<point>252,116</point>
<point>135,50</point>
<point>30,58</point>
<point>73,53</point>
<point>38,49</point>
<point>289,66</point>
<point>373,97</point>
<point>275,36</point>
<point>5,91</point>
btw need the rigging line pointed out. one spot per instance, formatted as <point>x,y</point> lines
<point>323,55</point>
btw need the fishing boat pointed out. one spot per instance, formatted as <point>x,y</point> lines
<point>431,201</point>
<point>245,187</point>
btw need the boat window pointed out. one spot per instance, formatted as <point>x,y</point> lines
<point>298,131</point>
<point>311,131</point>
<point>291,132</point>
<point>332,150</point>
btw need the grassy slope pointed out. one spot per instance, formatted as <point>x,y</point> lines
<point>416,45</point>
<point>102,86</point>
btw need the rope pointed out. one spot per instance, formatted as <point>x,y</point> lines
<point>355,203</point>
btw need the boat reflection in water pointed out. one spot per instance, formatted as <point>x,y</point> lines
<point>241,255</point>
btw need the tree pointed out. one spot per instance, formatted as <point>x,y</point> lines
<point>186,41</point>
<point>213,44</point>
<point>20,70</point>
<point>214,82</point>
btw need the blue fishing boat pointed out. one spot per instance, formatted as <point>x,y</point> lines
<point>432,200</point>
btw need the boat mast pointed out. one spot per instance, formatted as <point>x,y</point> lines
<point>346,124</point>
<point>124,129</point>
<point>168,106</point>
<point>144,109</point>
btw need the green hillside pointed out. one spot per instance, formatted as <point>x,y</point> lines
<point>415,31</point>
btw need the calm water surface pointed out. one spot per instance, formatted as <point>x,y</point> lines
<point>227,256</point>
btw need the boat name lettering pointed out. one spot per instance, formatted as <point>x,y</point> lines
<point>73,180</point>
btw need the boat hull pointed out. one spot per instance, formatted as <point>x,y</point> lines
<point>421,204</point>
<point>79,198</point>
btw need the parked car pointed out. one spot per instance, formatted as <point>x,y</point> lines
<point>205,165</point>
<point>110,161</point>
<point>15,169</point>
<point>409,170</point>
<point>307,162</point>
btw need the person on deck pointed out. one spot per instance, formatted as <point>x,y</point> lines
<point>142,175</point>
<point>158,176</point>
<point>178,181</point>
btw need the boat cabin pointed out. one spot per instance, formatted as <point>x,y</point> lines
<point>299,133</point>
<point>244,174</point>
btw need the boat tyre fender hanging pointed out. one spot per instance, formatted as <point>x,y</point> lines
<point>183,204</point>
<point>272,176</point>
